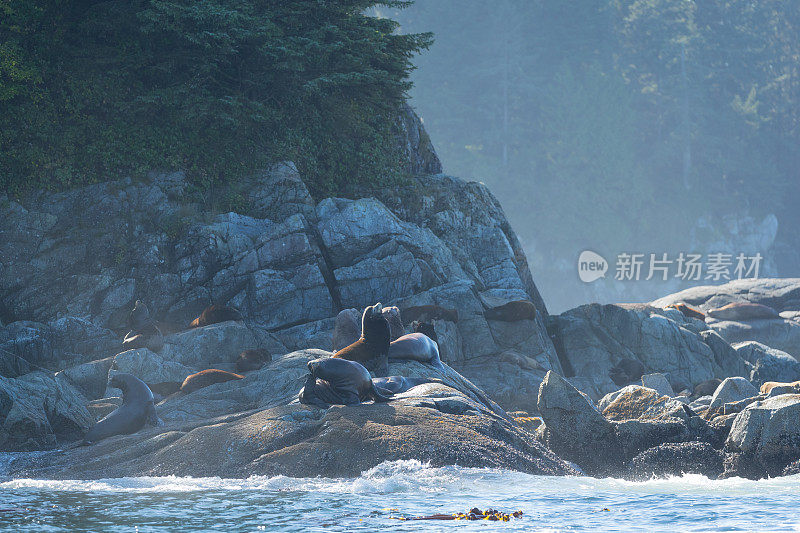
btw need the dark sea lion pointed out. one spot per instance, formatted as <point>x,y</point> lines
<point>341,382</point>
<point>144,333</point>
<point>416,347</point>
<point>400,384</point>
<point>136,411</point>
<point>706,388</point>
<point>204,378</point>
<point>743,311</point>
<point>626,371</point>
<point>396,329</point>
<point>426,328</point>
<point>347,328</point>
<point>372,348</point>
<point>139,317</point>
<point>250,360</point>
<point>426,313</point>
<point>687,310</point>
<point>512,311</point>
<point>214,314</point>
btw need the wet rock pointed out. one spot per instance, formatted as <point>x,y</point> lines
<point>766,433</point>
<point>676,460</point>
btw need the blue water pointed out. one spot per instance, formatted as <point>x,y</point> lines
<point>404,488</point>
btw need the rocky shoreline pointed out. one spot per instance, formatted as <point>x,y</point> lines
<point>631,390</point>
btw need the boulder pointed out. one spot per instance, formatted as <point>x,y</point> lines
<point>574,428</point>
<point>220,343</point>
<point>780,294</point>
<point>780,334</point>
<point>39,411</point>
<point>677,459</point>
<point>641,403</point>
<point>89,378</point>
<point>768,364</point>
<point>659,383</point>
<point>150,367</point>
<point>593,339</point>
<point>732,390</point>
<point>766,434</point>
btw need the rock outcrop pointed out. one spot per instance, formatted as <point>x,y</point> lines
<point>75,262</point>
<point>444,423</point>
<point>592,339</point>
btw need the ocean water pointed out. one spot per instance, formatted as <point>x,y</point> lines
<point>373,501</point>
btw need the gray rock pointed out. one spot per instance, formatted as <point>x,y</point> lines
<point>768,364</point>
<point>780,334</point>
<point>150,367</point>
<point>767,432</point>
<point>89,378</point>
<point>641,403</point>
<point>593,338</point>
<point>216,344</point>
<point>732,390</point>
<point>40,411</point>
<point>659,383</point>
<point>780,294</point>
<point>676,460</point>
<point>574,428</point>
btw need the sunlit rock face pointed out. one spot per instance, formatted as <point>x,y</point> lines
<point>287,262</point>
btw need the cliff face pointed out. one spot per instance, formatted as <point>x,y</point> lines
<point>74,263</point>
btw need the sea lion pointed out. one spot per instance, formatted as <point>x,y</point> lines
<point>214,314</point>
<point>626,371</point>
<point>250,360</point>
<point>512,311</point>
<point>742,311</point>
<point>426,328</point>
<point>372,348</point>
<point>767,387</point>
<point>339,381</point>
<point>204,378</point>
<point>347,328</point>
<point>136,411</point>
<point>688,311</point>
<point>417,347</point>
<point>426,313</point>
<point>396,329</point>
<point>706,388</point>
<point>400,384</point>
<point>144,333</point>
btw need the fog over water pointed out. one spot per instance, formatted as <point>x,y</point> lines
<point>638,126</point>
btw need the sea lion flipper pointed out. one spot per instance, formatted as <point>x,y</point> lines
<point>379,394</point>
<point>152,418</point>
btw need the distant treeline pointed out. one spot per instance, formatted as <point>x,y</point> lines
<point>605,123</point>
<point>94,89</point>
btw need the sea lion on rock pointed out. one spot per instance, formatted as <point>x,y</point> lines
<point>250,360</point>
<point>341,382</point>
<point>688,311</point>
<point>372,348</point>
<point>426,328</point>
<point>706,388</point>
<point>400,384</point>
<point>743,311</point>
<point>136,411</point>
<point>512,311</point>
<point>205,378</point>
<point>767,387</point>
<point>396,328</point>
<point>416,347</point>
<point>214,314</point>
<point>626,371</point>
<point>144,333</point>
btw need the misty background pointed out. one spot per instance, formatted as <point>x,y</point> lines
<point>647,126</point>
